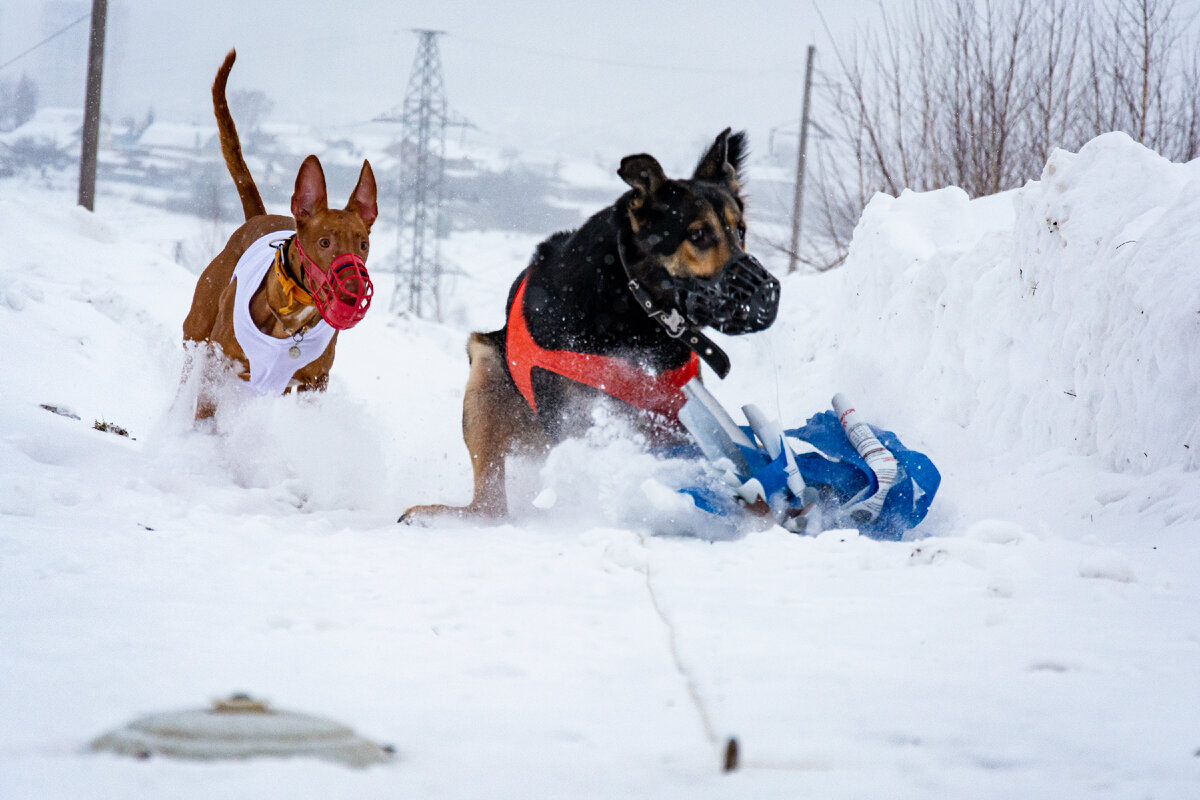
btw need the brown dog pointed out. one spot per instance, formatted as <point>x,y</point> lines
<point>613,313</point>
<point>281,330</point>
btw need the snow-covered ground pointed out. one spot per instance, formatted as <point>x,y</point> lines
<point>1038,636</point>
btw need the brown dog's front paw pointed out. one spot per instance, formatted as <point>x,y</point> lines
<point>425,515</point>
<point>432,514</point>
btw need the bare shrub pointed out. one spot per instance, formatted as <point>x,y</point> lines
<point>976,94</point>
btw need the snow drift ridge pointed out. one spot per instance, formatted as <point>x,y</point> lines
<point>1065,314</point>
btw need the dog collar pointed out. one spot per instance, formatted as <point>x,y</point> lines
<point>674,322</point>
<point>291,288</point>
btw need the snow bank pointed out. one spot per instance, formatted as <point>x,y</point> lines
<point>1065,314</point>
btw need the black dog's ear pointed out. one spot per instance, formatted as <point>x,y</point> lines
<point>644,174</point>
<point>724,160</point>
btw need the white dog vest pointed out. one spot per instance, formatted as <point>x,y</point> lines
<point>271,367</point>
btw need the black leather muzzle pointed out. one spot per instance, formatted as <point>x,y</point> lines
<point>742,298</point>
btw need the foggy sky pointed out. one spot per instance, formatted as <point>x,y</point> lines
<point>599,80</point>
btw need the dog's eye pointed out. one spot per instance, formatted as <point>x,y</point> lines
<point>741,229</point>
<point>324,243</point>
<point>698,236</point>
<point>363,245</point>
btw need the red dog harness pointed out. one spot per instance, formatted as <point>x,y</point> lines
<point>659,393</point>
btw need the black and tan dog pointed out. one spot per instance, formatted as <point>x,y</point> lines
<point>614,310</point>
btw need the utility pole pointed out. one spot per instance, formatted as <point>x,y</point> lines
<point>90,139</point>
<point>801,158</point>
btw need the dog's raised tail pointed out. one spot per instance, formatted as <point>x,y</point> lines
<point>231,147</point>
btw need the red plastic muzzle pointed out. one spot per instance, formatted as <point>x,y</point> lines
<point>342,293</point>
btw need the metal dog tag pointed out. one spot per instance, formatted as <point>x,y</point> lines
<point>294,351</point>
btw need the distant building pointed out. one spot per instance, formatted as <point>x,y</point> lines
<point>56,126</point>
<point>180,138</point>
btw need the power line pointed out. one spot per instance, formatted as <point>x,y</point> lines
<point>47,40</point>
<point>613,62</point>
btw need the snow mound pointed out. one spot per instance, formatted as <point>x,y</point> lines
<point>1064,314</point>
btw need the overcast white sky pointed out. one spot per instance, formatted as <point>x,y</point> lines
<point>602,79</point>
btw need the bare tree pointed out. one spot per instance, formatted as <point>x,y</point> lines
<point>18,102</point>
<point>250,107</point>
<point>976,93</point>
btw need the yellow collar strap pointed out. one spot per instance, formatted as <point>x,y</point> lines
<point>292,290</point>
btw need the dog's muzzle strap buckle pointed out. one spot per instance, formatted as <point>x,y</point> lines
<point>676,327</point>
<point>673,322</point>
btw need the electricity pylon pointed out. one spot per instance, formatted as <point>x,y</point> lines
<point>423,118</point>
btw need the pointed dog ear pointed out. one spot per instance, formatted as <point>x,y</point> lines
<point>309,197</point>
<point>723,161</point>
<point>644,174</point>
<point>362,199</point>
